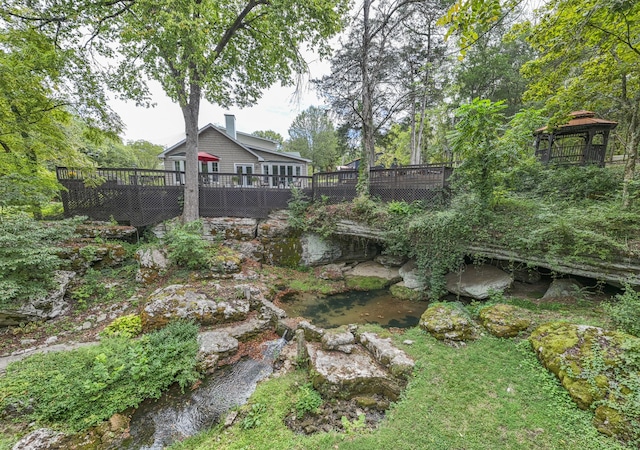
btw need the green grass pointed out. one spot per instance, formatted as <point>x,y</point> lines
<point>491,394</point>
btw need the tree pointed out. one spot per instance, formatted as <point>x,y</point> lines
<point>491,67</point>
<point>363,88</point>
<point>312,134</point>
<point>590,59</point>
<point>270,134</point>
<point>475,141</point>
<point>225,52</point>
<point>39,99</point>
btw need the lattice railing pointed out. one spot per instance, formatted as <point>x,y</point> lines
<point>142,197</point>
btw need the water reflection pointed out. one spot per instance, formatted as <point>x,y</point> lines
<point>378,307</point>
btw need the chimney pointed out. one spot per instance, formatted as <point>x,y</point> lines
<point>230,125</point>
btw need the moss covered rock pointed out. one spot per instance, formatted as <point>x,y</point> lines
<point>600,369</point>
<point>449,322</point>
<point>402,292</point>
<point>503,320</point>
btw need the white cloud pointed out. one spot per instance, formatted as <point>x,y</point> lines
<point>164,124</point>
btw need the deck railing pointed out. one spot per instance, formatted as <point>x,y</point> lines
<point>142,197</point>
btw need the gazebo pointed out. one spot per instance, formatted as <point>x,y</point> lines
<point>583,140</point>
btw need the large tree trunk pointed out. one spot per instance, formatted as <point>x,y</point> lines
<point>632,155</point>
<point>191,112</point>
<point>368,143</point>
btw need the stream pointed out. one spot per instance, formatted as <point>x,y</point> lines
<point>176,415</point>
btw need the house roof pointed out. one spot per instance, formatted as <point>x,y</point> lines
<point>250,148</point>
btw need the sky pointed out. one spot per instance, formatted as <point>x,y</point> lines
<point>164,124</point>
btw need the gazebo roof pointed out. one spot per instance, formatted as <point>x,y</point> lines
<point>581,120</point>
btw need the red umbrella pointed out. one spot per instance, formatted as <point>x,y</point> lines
<point>204,156</point>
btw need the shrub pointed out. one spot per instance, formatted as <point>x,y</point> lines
<point>625,311</point>
<point>309,400</point>
<point>298,205</point>
<point>186,247</point>
<point>125,326</point>
<point>28,257</point>
<point>80,388</point>
<point>578,182</point>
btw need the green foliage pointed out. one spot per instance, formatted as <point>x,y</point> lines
<point>352,427</point>
<point>124,326</point>
<point>297,206</point>
<point>78,389</point>
<point>475,142</point>
<point>625,311</point>
<point>254,416</point>
<point>313,136</point>
<point>104,285</point>
<point>28,255</point>
<point>308,400</point>
<point>439,240</point>
<point>577,183</point>
<point>186,247</point>
<point>402,208</point>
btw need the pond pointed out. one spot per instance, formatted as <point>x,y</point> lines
<point>378,307</point>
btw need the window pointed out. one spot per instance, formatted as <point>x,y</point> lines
<point>284,175</point>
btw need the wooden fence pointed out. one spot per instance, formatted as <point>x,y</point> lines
<point>143,197</point>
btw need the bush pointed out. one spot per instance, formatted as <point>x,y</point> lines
<point>309,400</point>
<point>125,326</point>
<point>186,247</point>
<point>80,388</point>
<point>578,183</point>
<point>28,256</point>
<point>625,311</point>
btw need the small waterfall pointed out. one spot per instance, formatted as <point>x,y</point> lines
<point>175,416</point>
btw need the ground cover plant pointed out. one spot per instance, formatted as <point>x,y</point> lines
<point>28,256</point>
<point>80,388</point>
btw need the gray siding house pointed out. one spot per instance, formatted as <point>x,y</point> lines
<point>225,150</point>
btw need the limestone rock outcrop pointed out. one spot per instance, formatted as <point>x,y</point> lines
<point>179,301</point>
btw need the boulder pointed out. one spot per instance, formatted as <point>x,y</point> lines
<point>563,288</point>
<point>275,225</point>
<point>104,230</point>
<point>448,322</point>
<point>341,375</point>
<point>311,332</point>
<point>391,260</point>
<point>504,320</point>
<point>371,275</point>
<point>412,277</point>
<point>153,263</point>
<point>317,251</point>
<point>80,255</point>
<point>478,281</point>
<point>45,307</point>
<point>229,228</point>
<point>387,354</point>
<point>594,365</point>
<point>331,272</point>
<point>41,439</point>
<point>339,340</point>
<point>187,302</point>
<point>213,346</point>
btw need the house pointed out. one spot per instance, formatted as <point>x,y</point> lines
<point>227,151</point>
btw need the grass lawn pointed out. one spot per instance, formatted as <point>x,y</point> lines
<point>490,394</point>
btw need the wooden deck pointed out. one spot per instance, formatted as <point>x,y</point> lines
<point>144,197</point>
